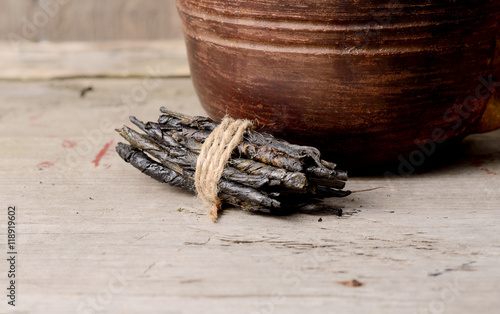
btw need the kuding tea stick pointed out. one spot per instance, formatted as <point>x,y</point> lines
<point>262,173</point>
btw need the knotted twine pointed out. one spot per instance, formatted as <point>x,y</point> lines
<point>214,156</point>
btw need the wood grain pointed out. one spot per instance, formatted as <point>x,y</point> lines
<point>107,239</point>
<point>90,20</point>
<point>119,59</point>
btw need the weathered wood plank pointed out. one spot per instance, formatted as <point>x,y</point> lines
<point>33,61</point>
<point>90,20</point>
<point>12,14</point>
<point>108,239</point>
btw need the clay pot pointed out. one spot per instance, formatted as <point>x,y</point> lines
<point>364,81</point>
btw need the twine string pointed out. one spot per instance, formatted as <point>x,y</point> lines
<point>214,156</point>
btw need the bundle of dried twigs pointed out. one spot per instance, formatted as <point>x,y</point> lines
<point>264,174</point>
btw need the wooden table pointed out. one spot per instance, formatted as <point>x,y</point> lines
<point>96,236</point>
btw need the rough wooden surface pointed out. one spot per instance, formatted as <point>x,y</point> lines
<point>91,20</point>
<point>97,236</point>
<point>32,61</point>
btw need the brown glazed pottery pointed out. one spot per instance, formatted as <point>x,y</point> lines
<point>365,81</point>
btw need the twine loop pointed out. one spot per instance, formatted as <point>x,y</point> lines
<point>214,156</point>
